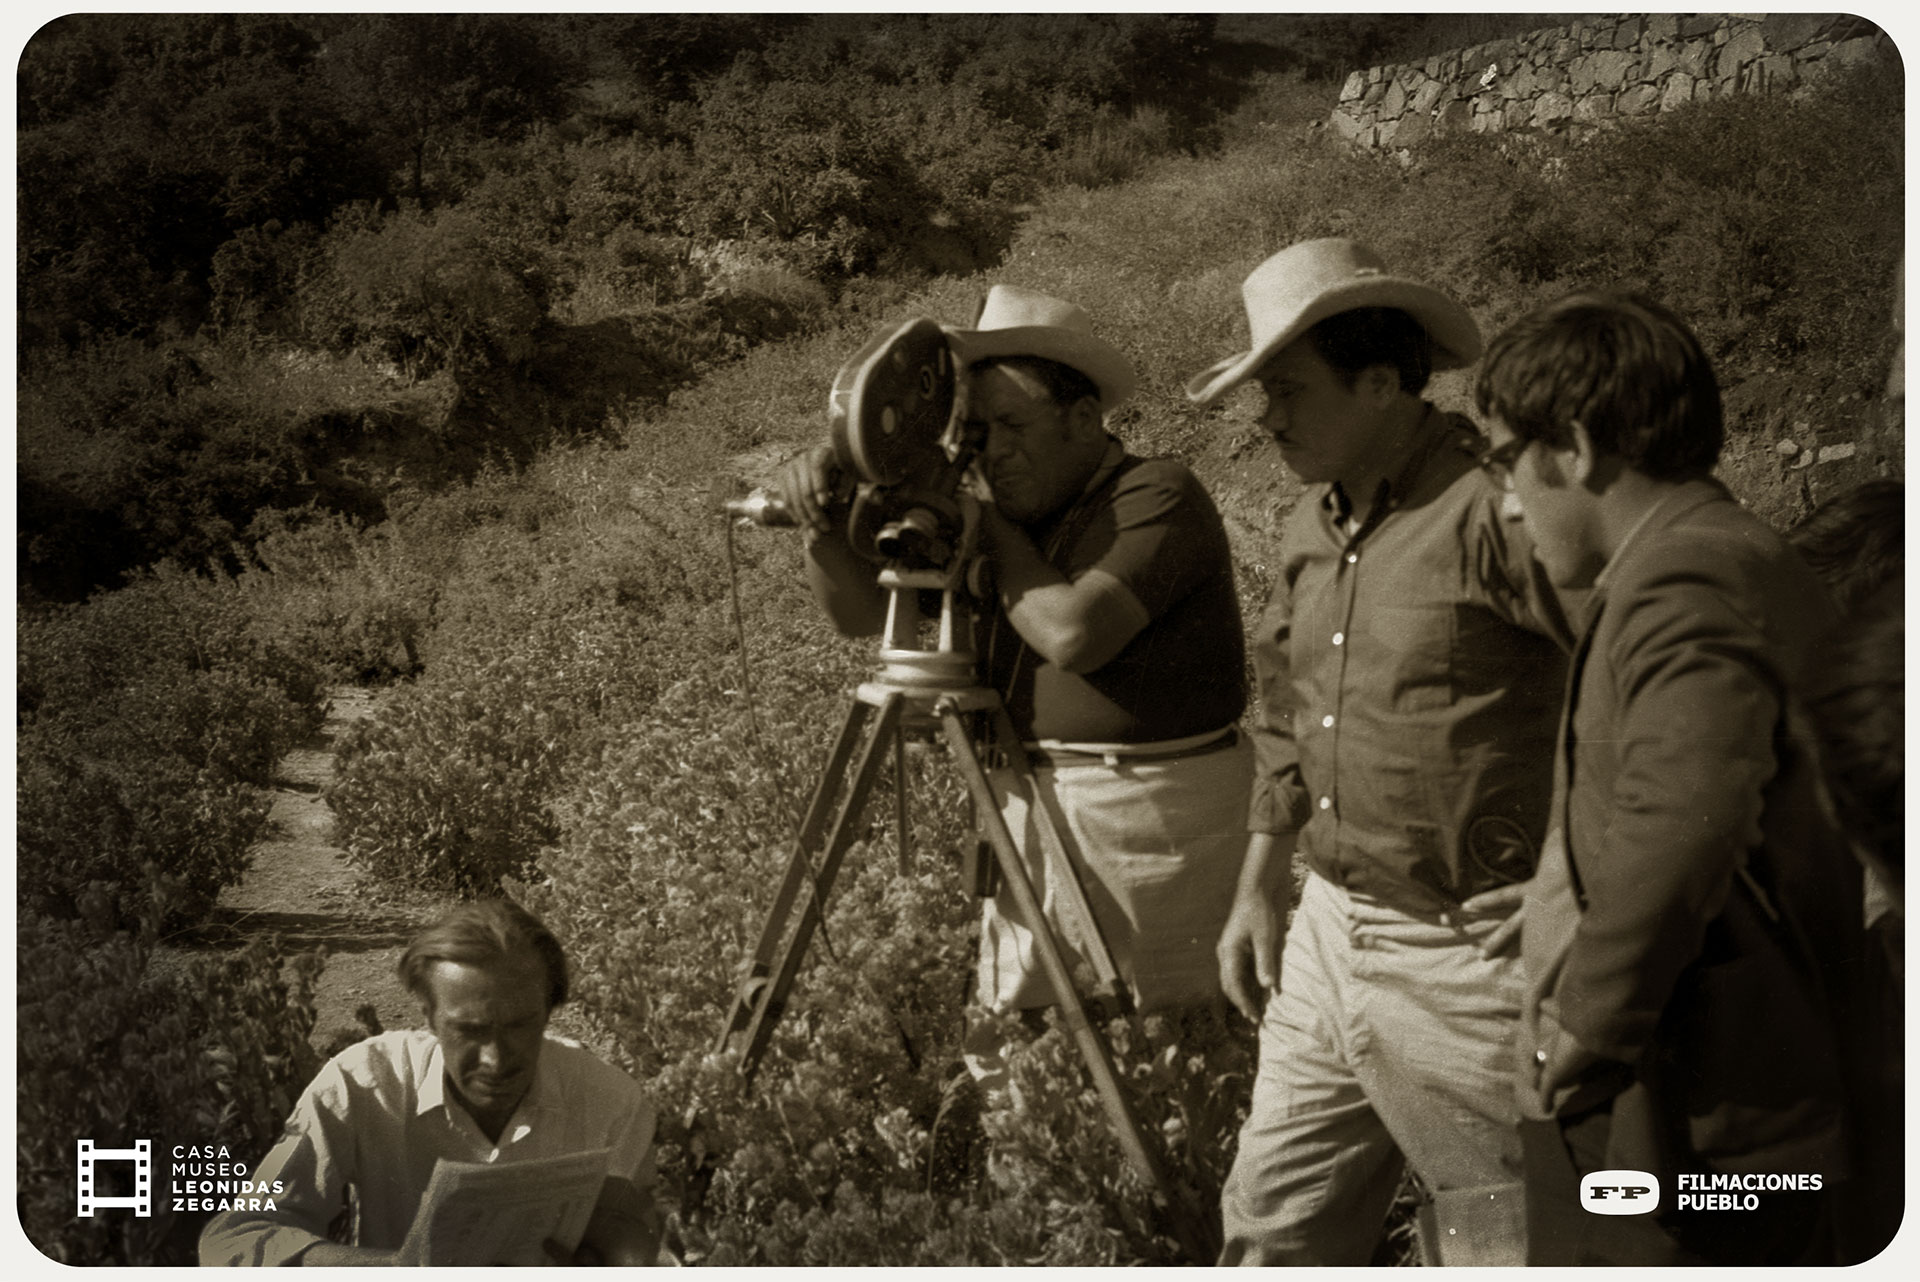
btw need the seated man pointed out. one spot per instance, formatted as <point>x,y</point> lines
<point>481,1083</point>
<point>1113,637</point>
<point>1693,934</point>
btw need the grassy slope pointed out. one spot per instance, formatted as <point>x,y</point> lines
<point>1157,262</point>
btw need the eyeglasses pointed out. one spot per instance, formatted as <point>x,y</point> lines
<point>1498,460</point>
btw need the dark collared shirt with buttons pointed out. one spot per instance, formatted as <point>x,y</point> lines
<point>1411,673</point>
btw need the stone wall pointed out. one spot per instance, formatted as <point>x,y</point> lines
<point>1594,72</point>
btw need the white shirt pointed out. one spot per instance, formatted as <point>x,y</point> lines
<point>378,1116</point>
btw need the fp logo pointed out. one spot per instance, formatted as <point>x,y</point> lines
<point>1619,1192</point>
<point>140,1202</point>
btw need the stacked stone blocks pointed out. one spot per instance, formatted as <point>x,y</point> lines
<point>1595,73</point>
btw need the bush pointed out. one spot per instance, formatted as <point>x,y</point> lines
<point>151,719</point>
<point>446,788</point>
<point>427,290</point>
<point>357,601</point>
<point>131,456</point>
<point>862,1121</point>
<point>112,1048</point>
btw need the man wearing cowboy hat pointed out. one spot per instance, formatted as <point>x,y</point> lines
<point>1114,639</point>
<point>1411,667</point>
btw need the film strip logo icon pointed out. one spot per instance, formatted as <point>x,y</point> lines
<point>141,1155</point>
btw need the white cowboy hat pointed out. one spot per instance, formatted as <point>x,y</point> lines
<point>1304,284</point>
<point>1019,322</point>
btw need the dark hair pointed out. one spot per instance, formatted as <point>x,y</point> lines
<point>1066,385</point>
<point>480,933</point>
<point>1358,339</point>
<point>1858,704</point>
<point>1856,540</point>
<point>1623,366</point>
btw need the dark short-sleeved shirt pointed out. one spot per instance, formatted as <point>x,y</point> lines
<point>1150,525</point>
<point>1410,674</point>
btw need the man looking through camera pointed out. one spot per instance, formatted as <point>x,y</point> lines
<point>1113,637</point>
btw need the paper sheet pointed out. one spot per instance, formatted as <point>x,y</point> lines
<point>479,1213</point>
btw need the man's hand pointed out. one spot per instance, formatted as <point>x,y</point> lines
<point>805,483</point>
<point>1249,948</point>
<point>625,1229</point>
<point>1510,900</point>
<point>996,531</point>
<point>1249,951</point>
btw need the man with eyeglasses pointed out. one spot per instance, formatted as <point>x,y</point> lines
<point>1411,669</point>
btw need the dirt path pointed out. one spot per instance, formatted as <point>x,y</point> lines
<point>302,887</point>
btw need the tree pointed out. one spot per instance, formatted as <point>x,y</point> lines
<point>425,84</point>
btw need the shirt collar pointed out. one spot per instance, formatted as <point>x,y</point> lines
<point>1116,453</point>
<point>1434,426</point>
<point>430,1081</point>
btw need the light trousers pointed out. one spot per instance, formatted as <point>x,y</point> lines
<point>1388,1042</point>
<point>1156,847</point>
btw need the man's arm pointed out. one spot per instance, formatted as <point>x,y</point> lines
<point>1256,929</point>
<point>308,1169</point>
<point>1694,738</point>
<point>626,1227</point>
<point>1252,939</point>
<point>1075,624</point>
<point>1279,803</point>
<point>627,1224</point>
<point>335,1255</point>
<point>846,588</point>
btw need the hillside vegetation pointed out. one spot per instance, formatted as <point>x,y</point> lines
<point>448,391</point>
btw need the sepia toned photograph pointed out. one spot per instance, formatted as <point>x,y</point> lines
<point>959,639</point>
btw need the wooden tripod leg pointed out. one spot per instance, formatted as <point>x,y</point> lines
<point>1195,1232</point>
<point>1077,913</point>
<point>799,871</point>
<point>762,995</point>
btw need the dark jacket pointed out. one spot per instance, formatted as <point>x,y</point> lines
<point>1691,933</point>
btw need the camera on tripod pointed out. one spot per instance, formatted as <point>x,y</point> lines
<point>901,451</point>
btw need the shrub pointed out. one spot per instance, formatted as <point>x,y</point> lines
<point>427,290</point>
<point>151,719</point>
<point>446,788</point>
<point>114,1048</point>
<point>861,1120</point>
<point>357,601</point>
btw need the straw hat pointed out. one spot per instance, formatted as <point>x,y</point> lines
<point>1019,322</point>
<point>1304,284</point>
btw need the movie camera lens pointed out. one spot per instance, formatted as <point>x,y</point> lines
<point>918,535</point>
<point>762,508</point>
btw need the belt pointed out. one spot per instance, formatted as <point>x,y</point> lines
<point>1128,754</point>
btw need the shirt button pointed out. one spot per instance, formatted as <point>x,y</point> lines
<point>1326,803</point>
<point>1352,557</point>
<point>1539,1057</point>
<point>1339,638</point>
<point>1326,721</point>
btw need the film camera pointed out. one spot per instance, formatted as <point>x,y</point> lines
<point>900,448</point>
